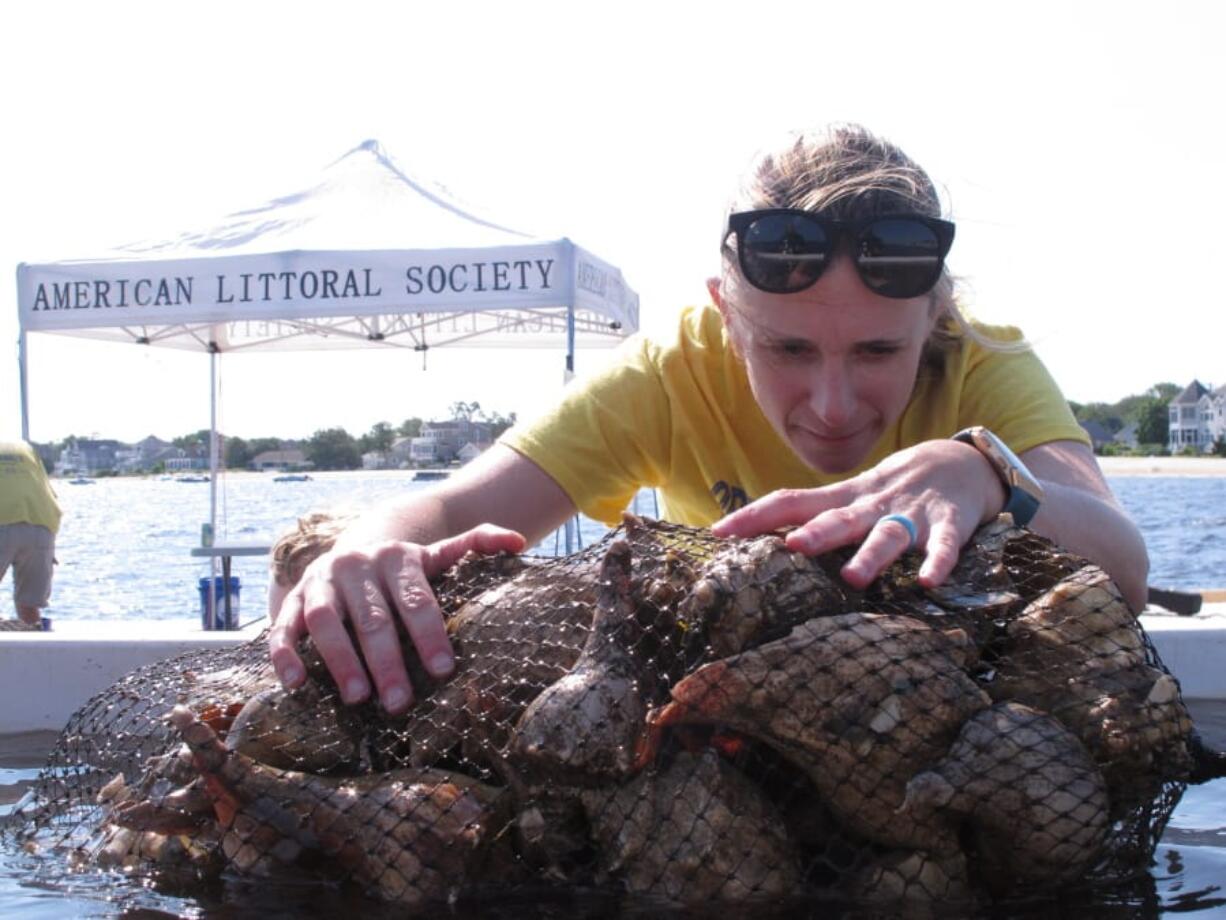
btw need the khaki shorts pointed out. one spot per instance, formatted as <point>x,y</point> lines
<point>30,550</point>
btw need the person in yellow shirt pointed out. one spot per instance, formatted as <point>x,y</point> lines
<point>29,521</point>
<point>833,386</point>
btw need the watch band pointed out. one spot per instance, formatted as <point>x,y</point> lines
<point>1023,494</point>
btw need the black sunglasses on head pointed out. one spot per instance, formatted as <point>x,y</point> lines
<point>785,250</point>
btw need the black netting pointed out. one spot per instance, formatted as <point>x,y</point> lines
<point>670,717</point>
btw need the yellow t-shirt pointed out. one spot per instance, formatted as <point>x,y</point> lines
<point>26,496</point>
<point>680,416</point>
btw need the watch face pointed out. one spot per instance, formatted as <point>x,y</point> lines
<point>1010,465</point>
<point>1025,493</point>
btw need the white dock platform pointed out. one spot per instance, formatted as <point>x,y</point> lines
<point>1193,648</point>
<point>46,676</point>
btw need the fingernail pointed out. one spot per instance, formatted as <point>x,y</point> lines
<point>395,699</point>
<point>355,690</point>
<point>799,543</point>
<point>291,677</point>
<point>441,664</point>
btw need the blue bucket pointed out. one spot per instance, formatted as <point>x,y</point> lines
<point>219,621</point>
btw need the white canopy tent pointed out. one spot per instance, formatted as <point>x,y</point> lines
<point>367,256</point>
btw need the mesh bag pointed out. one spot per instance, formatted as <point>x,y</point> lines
<point>670,717</point>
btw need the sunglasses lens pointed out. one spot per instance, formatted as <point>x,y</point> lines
<point>899,257</point>
<point>782,253</point>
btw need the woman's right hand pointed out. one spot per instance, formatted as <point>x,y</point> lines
<point>373,586</point>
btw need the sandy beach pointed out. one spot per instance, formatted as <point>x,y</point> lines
<point>1163,466</point>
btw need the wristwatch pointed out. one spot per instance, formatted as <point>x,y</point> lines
<point>1022,491</point>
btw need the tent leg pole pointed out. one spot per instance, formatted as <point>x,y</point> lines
<point>569,373</point>
<point>213,440</point>
<point>572,523</point>
<point>23,383</point>
<point>213,483</point>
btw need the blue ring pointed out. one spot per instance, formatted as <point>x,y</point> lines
<point>907,523</point>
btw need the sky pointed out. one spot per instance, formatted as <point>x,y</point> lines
<point>1078,146</point>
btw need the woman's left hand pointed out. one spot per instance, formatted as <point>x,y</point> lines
<point>945,488</point>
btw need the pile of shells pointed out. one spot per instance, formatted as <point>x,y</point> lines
<point>668,716</point>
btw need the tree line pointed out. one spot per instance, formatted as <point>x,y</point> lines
<point>327,448</point>
<point>337,449</point>
<point>1149,411</point>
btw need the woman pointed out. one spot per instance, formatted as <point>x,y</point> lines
<point>833,387</point>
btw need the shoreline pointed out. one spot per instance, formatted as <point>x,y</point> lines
<point>1111,466</point>
<point>1163,466</point>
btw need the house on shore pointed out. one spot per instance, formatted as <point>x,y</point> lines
<point>472,450</point>
<point>88,457</point>
<point>377,460</point>
<point>440,443</point>
<point>1100,434</point>
<point>292,459</point>
<point>1127,436</point>
<point>401,454</point>
<point>181,460</point>
<point>91,457</point>
<point>1197,418</point>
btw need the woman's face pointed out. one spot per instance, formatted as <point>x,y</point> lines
<point>831,366</point>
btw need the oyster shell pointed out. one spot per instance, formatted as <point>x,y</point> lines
<point>586,723</point>
<point>411,835</point>
<point>859,702</point>
<point>910,882</point>
<point>756,589</point>
<point>695,831</point>
<point>308,729</point>
<point>1029,788</point>
<point>1077,652</point>
<point>511,642</point>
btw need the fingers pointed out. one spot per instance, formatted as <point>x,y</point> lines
<point>374,588</point>
<point>930,483</point>
<point>883,540</point>
<point>784,508</point>
<point>943,548</point>
<point>419,611</point>
<point>323,605</point>
<point>887,540</point>
<point>287,629</point>
<point>362,579</point>
<point>831,529</point>
<point>486,539</point>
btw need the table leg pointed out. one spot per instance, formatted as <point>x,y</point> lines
<point>228,623</point>
<point>210,605</point>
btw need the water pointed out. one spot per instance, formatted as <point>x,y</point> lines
<point>1183,520</point>
<point>124,555</point>
<point>124,544</point>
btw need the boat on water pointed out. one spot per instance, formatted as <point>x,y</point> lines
<point>430,475</point>
<point>292,477</point>
<point>191,478</point>
<point>81,481</point>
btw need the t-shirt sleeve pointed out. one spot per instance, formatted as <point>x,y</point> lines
<point>607,438</point>
<point>1014,395</point>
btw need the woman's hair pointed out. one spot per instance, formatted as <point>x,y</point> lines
<point>309,539</point>
<point>846,172</point>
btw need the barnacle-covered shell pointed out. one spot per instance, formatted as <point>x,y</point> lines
<point>860,702</point>
<point>1077,653</point>
<point>694,831</point>
<point>1027,785</point>
<point>410,834</point>
<point>758,588</point>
